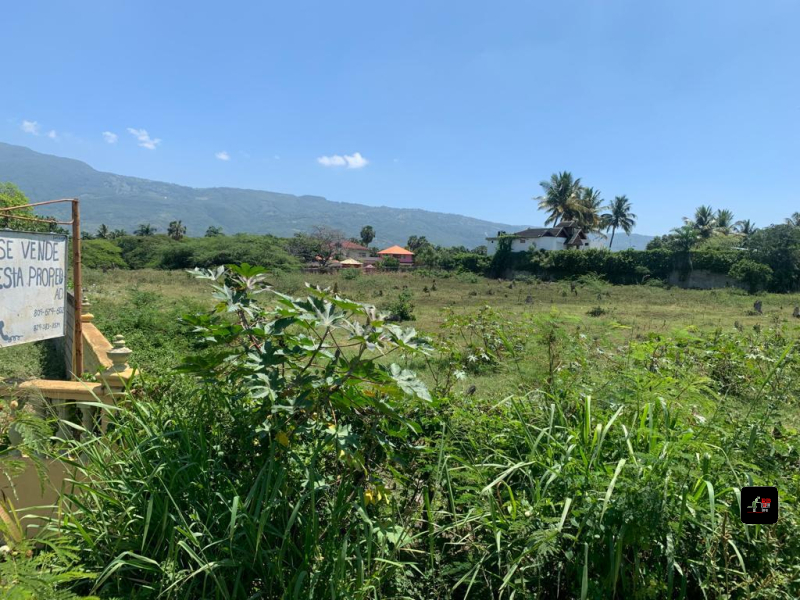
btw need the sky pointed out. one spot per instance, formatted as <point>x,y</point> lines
<point>459,107</point>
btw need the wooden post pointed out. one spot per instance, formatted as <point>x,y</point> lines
<point>77,282</point>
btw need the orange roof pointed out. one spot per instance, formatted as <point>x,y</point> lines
<point>396,250</point>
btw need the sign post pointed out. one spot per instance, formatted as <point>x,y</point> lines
<point>77,285</point>
<point>33,282</point>
<point>23,294</point>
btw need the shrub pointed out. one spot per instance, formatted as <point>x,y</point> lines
<point>350,274</point>
<point>389,263</point>
<point>267,475</point>
<point>101,254</point>
<point>402,307</point>
<point>756,275</point>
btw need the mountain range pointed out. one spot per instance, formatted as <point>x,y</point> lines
<point>123,202</point>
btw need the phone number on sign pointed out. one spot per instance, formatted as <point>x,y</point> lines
<point>46,312</point>
<point>46,326</point>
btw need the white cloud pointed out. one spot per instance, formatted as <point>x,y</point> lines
<point>52,134</point>
<point>31,127</point>
<point>110,138</point>
<point>223,155</point>
<point>145,141</point>
<point>351,161</point>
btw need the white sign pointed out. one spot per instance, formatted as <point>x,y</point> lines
<point>33,286</point>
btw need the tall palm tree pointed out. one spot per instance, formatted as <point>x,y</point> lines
<point>560,198</point>
<point>176,230</point>
<point>746,227</point>
<point>367,234</point>
<point>794,219</point>
<point>145,230</point>
<point>724,221</point>
<point>103,232</point>
<point>587,212</point>
<point>704,221</point>
<point>619,216</point>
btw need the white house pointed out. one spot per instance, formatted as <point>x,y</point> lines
<point>560,237</point>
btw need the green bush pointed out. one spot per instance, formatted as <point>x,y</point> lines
<point>268,473</point>
<point>350,274</point>
<point>101,254</point>
<point>402,307</point>
<point>756,275</point>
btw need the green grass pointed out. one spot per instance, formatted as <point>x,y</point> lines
<point>597,457</point>
<point>144,306</point>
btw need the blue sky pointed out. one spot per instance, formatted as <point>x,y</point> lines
<point>451,106</point>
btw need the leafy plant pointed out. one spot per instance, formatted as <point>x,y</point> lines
<point>271,477</point>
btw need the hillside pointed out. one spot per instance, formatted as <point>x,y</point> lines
<point>123,202</point>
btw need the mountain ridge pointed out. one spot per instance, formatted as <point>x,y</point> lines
<point>123,202</point>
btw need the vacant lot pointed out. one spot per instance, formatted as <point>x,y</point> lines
<point>571,440</point>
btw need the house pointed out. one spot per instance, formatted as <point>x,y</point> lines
<point>404,257</point>
<point>563,236</point>
<point>348,249</point>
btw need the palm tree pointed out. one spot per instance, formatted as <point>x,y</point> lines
<point>103,232</point>
<point>176,230</point>
<point>619,217</point>
<point>145,230</point>
<point>560,198</point>
<point>367,235</point>
<point>724,221</point>
<point>746,227</point>
<point>704,221</point>
<point>118,233</point>
<point>587,213</point>
<point>794,219</point>
<point>214,231</point>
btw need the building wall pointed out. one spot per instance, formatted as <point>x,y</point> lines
<point>523,245</point>
<point>355,254</point>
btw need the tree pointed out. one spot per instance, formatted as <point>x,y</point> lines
<point>561,197</point>
<point>682,240</point>
<point>755,274</point>
<point>415,243</point>
<point>619,216</point>
<point>103,232</point>
<point>794,220</point>
<point>779,247</point>
<point>587,210</point>
<point>367,235</point>
<point>176,230</point>
<point>704,221</point>
<point>11,195</point>
<point>213,231</point>
<point>724,221</point>
<point>325,243</point>
<point>145,230</point>
<point>118,233</point>
<point>746,227</point>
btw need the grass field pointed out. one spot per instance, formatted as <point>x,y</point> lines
<point>579,440</point>
<point>145,306</point>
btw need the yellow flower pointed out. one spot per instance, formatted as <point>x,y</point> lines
<point>282,439</point>
<point>369,497</point>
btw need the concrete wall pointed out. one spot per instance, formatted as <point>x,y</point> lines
<point>523,245</point>
<point>703,280</point>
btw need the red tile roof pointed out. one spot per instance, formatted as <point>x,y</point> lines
<point>348,245</point>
